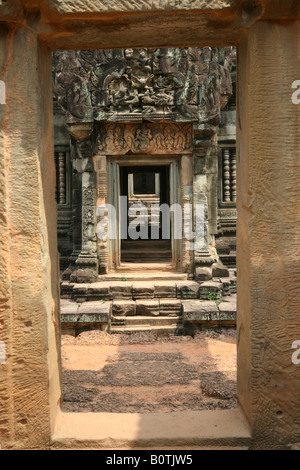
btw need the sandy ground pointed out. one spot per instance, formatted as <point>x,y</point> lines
<point>142,373</point>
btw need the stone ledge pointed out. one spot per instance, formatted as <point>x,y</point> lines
<point>199,311</point>
<point>165,289</point>
<point>98,291</point>
<point>143,290</point>
<point>124,308</point>
<point>209,314</point>
<point>187,289</point>
<point>88,312</point>
<point>154,430</point>
<point>192,311</point>
<point>118,290</point>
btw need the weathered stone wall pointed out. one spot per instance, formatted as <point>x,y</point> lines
<point>29,326</point>
<point>268,232</point>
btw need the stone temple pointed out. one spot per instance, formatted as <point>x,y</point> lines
<point>139,132</point>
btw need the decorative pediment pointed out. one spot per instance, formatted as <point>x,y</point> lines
<point>179,85</point>
<point>120,139</point>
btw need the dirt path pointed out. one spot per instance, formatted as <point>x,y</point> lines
<point>142,373</point>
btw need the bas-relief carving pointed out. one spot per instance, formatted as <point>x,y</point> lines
<point>88,196</point>
<point>119,139</point>
<point>101,168</point>
<point>228,213</point>
<point>96,6</point>
<point>180,85</point>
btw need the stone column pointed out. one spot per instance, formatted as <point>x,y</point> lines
<point>87,261</point>
<point>206,260</point>
<point>187,202</point>
<point>29,290</point>
<point>268,232</point>
<point>102,242</point>
<point>203,259</point>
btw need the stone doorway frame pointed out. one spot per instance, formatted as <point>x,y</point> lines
<point>268,381</point>
<point>113,185</point>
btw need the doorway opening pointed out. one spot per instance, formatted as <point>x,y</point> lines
<point>146,292</point>
<point>146,196</point>
<point>147,238</point>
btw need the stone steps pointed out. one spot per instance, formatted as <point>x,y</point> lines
<point>146,251</point>
<point>130,289</point>
<point>156,329</point>
<point>146,307</point>
<point>163,316</point>
<point>147,321</point>
<point>144,273</point>
<point>173,306</point>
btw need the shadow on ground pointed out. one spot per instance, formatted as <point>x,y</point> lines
<point>142,373</point>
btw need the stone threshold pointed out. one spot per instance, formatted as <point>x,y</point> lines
<point>145,269</point>
<point>213,429</point>
<point>151,275</point>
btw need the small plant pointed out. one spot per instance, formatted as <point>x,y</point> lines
<point>214,297</point>
<point>124,279</point>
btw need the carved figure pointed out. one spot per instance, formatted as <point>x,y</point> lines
<point>193,82</point>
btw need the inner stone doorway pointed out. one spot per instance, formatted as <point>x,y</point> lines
<point>147,238</point>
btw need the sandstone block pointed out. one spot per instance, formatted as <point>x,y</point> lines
<point>211,290</point>
<point>226,289</point>
<point>147,307</point>
<point>66,290</point>
<point>80,292</point>
<point>170,307</point>
<point>68,307</point>
<point>219,270</point>
<point>227,311</point>
<point>165,289</point>
<point>142,290</point>
<point>124,308</point>
<point>99,291</point>
<point>198,311</point>
<point>121,290</point>
<point>187,290</point>
<point>95,307</point>
<point>203,274</point>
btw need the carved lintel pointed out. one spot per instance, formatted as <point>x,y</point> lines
<point>167,138</point>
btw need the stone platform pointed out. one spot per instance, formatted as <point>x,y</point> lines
<point>162,306</point>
